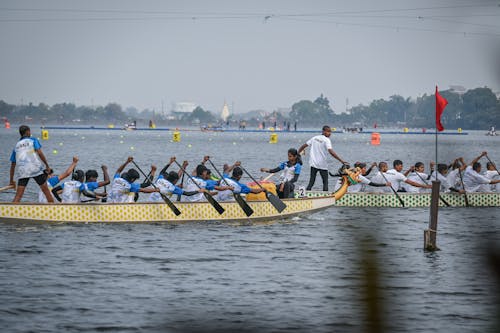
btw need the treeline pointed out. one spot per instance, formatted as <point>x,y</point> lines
<point>475,109</point>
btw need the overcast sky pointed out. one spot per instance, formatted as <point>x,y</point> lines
<point>255,54</point>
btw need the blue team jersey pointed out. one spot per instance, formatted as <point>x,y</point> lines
<point>91,186</point>
<point>211,184</point>
<point>53,181</point>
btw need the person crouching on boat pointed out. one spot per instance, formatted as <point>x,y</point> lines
<point>53,180</point>
<point>394,177</point>
<point>363,181</point>
<point>291,172</point>
<point>123,188</point>
<point>166,184</point>
<point>474,181</point>
<point>235,186</point>
<point>91,183</point>
<point>72,190</point>
<point>418,175</point>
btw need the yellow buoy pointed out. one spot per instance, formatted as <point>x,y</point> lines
<point>176,137</point>
<point>460,130</point>
<point>54,151</point>
<point>45,134</point>
<point>405,129</point>
<point>273,138</point>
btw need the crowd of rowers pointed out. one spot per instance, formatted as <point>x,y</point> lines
<point>83,185</point>
<point>457,177</point>
<point>30,162</point>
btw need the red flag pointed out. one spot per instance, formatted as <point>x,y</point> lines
<point>441,103</point>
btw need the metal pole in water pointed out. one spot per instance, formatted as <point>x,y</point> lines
<point>430,234</point>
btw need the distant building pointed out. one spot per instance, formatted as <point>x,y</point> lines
<point>458,89</point>
<point>181,108</point>
<point>225,112</point>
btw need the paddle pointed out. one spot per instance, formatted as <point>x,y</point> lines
<point>463,186</point>
<point>105,199</point>
<point>492,164</point>
<point>182,185</point>
<point>164,197</point>
<point>209,197</point>
<point>393,190</point>
<point>273,199</point>
<point>8,187</point>
<point>440,197</point>
<point>243,204</point>
<point>268,177</point>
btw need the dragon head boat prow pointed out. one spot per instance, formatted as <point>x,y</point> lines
<point>350,176</point>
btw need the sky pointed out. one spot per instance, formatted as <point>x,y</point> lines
<point>252,54</point>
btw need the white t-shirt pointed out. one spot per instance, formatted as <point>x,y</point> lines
<point>445,186</point>
<point>71,191</point>
<point>414,177</point>
<point>28,162</point>
<point>190,186</point>
<point>394,177</point>
<point>493,175</point>
<point>454,179</point>
<point>474,182</point>
<point>319,151</point>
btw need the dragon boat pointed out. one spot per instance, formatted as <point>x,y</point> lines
<point>361,199</point>
<point>148,212</point>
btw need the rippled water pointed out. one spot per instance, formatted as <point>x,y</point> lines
<point>303,275</point>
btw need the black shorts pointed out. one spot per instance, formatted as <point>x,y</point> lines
<point>40,180</point>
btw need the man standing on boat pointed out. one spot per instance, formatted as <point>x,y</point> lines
<point>31,163</point>
<point>321,146</point>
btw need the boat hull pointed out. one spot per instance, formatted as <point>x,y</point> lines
<point>413,199</point>
<point>157,212</point>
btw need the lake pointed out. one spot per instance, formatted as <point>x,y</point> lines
<point>320,273</point>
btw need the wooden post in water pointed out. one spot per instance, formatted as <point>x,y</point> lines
<point>431,233</point>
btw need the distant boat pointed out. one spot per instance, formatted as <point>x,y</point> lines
<point>492,131</point>
<point>211,128</point>
<point>130,126</point>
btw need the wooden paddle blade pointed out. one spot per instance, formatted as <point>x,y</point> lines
<point>243,204</point>
<point>8,187</point>
<point>171,204</point>
<point>276,202</point>
<point>214,203</point>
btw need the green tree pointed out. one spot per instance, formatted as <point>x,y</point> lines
<point>199,115</point>
<point>312,113</point>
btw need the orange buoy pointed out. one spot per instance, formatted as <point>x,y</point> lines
<point>7,124</point>
<point>375,139</point>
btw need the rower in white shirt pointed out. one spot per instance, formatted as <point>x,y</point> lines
<point>492,174</point>
<point>394,177</point>
<point>362,181</point>
<point>440,175</point>
<point>474,181</point>
<point>418,175</point>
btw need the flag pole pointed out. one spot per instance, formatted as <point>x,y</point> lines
<point>436,144</point>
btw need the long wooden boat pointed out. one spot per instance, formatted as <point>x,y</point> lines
<point>491,199</point>
<point>146,212</point>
